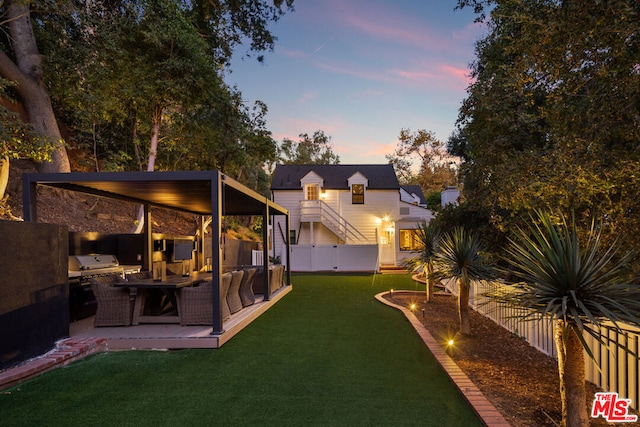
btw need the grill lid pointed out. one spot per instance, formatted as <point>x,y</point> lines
<point>92,262</point>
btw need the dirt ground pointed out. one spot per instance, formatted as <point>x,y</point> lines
<point>519,380</point>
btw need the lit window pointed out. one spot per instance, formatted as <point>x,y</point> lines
<point>312,192</point>
<point>357,194</point>
<point>410,240</point>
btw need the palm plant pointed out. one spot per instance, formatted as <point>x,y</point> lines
<point>428,234</point>
<point>460,256</point>
<point>579,287</point>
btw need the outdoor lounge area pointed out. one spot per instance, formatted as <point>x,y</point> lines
<point>176,335</point>
<point>209,300</point>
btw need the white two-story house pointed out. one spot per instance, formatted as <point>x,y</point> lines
<point>345,217</point>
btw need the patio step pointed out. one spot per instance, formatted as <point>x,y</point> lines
<point>393,269</point>
<point>66,351</point>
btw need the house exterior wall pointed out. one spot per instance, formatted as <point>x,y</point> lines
<point>378,219</point>
<point>409,218</point>
<point>365,217</point>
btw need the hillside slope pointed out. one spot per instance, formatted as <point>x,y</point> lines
<point>84,212</point>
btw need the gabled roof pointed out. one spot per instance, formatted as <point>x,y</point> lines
<point>415,190</point>
<point>381,177</point>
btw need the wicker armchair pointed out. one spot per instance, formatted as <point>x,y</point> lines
<point>233,295</point>
<point>276,277</point>
<point>114,304</point>
<point>195,303</point>
<point>258,281</point>
<point>246,287</point>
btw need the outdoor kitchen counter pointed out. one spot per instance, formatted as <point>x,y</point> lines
<point>171,283</point>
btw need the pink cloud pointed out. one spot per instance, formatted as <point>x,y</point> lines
<point>421,74</point>
<point>384,23</point>
<point>364,148</point>
<point>382,149</point>
<point>462,75</point>
<point>415,75</point>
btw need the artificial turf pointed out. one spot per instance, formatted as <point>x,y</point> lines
<point>328,354</point>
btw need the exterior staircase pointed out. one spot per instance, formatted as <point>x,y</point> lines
<point>318,211</point>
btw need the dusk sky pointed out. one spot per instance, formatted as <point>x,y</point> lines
<point>362,70</point>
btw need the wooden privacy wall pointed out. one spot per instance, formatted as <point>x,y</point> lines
<point>34,290</point>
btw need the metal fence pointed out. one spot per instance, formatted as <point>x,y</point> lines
<point>615,369</point>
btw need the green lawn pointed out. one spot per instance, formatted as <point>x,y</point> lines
<point>328,354</point>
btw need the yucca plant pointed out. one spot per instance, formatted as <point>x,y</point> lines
<point>460,256</point>
<point>580,286</point>
<point>429,235</point>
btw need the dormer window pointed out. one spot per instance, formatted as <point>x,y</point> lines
<point>312,192</point>
<point>357,194</point>
<point>311,185</point>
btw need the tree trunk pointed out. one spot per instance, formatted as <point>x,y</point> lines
<point>153,151</point>
<point>4,175</point>
<point>463,308</point>
<point>30,88</point>
<point>155,137</point>
<point>572,376</point>
<point>429,282</point>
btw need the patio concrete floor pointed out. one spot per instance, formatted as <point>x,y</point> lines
<point>174,336</point>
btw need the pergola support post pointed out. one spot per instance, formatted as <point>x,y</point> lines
<point>147,253</point>
<point>288,247</point>
<point>29,199</point>
<point>216,253</point>
<point>266,285</point>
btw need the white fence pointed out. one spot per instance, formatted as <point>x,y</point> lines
<point>257,257</point>
<point>344,258</point>
<point>619,371</point>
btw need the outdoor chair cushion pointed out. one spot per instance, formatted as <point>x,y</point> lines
<point>114,304</point>
<point>276,277</point>
<point>246,287</point>
<point>233,295</point>
<point>195,303</point>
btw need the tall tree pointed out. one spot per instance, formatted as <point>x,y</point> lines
<point>18,138</point>
<point>98,43</point>
<point>316,149</point>
<point>582,285</point>
<point>552,116</point>
<point>227,136</point>
<point>421,159</point>
<point>21,62</point>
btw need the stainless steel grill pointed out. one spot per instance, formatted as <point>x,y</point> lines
<point>82,267</point>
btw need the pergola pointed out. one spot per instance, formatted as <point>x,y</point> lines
<point>198,192</point>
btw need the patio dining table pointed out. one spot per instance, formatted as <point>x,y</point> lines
<point>171,283</point>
